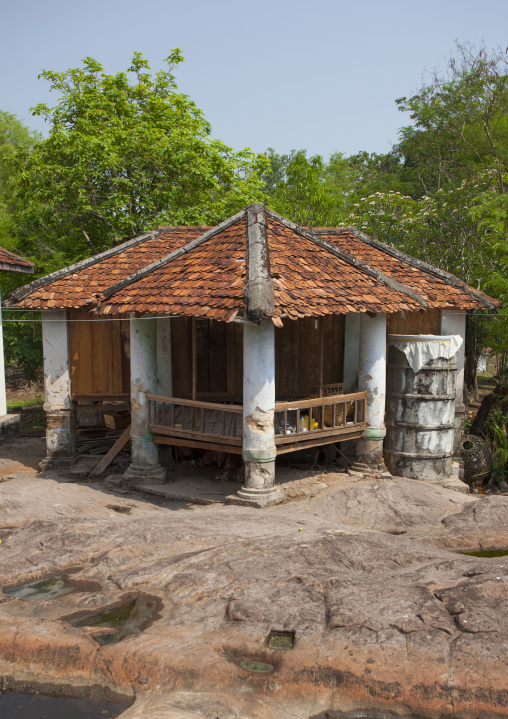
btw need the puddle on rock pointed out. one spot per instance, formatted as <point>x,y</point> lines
<point>40,706</point>
<point>258,667</point>
<point>487,553</point>
<point>51,588</point>
<point>113,624</point>
<point>281,640</point>
<point>120,509</point>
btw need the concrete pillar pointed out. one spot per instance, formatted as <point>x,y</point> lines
<point>3,395</point>
<point>372,379</point>
<point>351,351</point>
<point>145,467</point>
<point>258,415</point>
<point>453,322</point>
<point>61,421</point>
<point>164,361</point>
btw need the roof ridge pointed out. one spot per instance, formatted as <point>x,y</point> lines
<point>447,277</point>
<point>350,259</point>
<point>259,290</point>
<point>109,291</point>
<point>22,292</point>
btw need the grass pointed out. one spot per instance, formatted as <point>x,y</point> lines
<point>32,421</point>
<point>26,403</point>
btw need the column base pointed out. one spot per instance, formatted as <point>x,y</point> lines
<point>58,463</point>
<point>363,468</point>
<point>369,449</point>
<point>259,498</point>
<point>144,475</point>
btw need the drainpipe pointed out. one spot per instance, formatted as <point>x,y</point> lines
<point>60,416</point>
<point>372,379</point>
<point>145,467</point>
<point>258,449</point>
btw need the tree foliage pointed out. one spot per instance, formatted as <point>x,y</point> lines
<point>125,152</point>
<point>15,137</point>
<point>460,123</point>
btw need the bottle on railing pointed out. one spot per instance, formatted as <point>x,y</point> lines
<point>304,423</point>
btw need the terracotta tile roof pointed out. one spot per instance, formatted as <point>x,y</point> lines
<point>84,285</point>
<point>310,281</point>
<point>208,281</point>
<point>203,272</point>
<point>14,263</point>
<point>436,290</point>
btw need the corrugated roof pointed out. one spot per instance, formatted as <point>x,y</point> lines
<point>202,272</point>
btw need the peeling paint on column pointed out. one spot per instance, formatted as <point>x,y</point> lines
<point>61,425</point>
<point>260,420</point>
<point>372,380</point>
<point>145,465</point>
<point>258,449</point>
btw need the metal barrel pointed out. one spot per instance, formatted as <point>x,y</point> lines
<point>420,410</point>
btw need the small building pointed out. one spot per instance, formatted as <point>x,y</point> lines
<point>255,337</point>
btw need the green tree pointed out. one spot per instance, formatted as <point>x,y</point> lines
<point>14,137</point>
<point>125,152</point>
<point>460,124</point>
<point>297,188</point>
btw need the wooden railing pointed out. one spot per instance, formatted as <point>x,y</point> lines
<point>214,425</point>
<point>194,421</point>
<point>318,420</point>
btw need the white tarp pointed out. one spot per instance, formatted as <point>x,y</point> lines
<point>420,349</point>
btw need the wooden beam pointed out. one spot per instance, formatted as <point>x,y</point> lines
<point>319,434</point>
<point>318,442</point>
<point>190,434</point>
<point>193,403</point>
<point>96,396</point>
<point>229,449</point>
<point>115,449</point>
<point>304,404</point>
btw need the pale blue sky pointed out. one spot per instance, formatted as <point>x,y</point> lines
<point>321,75</point>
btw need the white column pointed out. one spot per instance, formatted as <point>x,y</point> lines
<point>164,360</point>
<point>61,426</point>
<point>3,395</point>
<point>453,322</point>
<point>351,351</point>
<point>258,414</point>
<point>145,467</point>
<point>372,379</point>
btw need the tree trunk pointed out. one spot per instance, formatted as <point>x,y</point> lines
<point>499,391</point>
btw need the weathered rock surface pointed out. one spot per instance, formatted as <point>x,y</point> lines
<point>385,617</point>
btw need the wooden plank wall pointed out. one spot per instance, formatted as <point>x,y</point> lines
<point>99,355</point>
<point>297,357</point>
<point>414,323</point>
<point>220,358</point>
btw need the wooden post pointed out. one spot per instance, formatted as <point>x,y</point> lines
<point>321,355</point>
<point>194,360</point>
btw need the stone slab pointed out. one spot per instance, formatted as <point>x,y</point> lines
<point>9,426</point>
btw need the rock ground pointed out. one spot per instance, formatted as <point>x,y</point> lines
<point>386,616</point>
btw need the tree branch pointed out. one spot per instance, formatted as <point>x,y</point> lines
<point>89,242</point>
